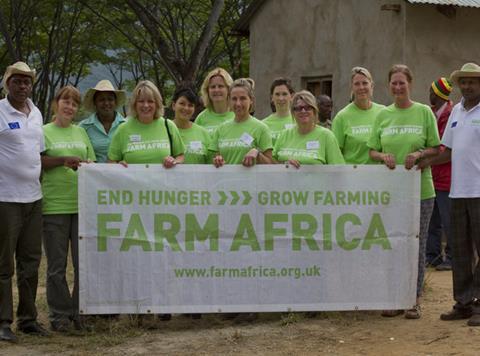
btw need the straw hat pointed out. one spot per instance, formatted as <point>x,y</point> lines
<point>469,70</point>
<point>103,85</point>
<point>17,68</point>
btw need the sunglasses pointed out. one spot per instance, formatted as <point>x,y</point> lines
<point>306,108</point>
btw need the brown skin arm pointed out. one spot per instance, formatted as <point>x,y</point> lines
<point>72,162</point>
<point>444,157</point>
<point>414,157</point>
<point>265,157</point>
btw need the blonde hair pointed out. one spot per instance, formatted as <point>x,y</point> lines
<point>217,72</point>
<point>146,87</point>
<point>307,97</point>
<point>249,85</point>
<point>66,92</point>
<point>362,71</point>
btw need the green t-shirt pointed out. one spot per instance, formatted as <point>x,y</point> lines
<point>196,140</point>
<point>234,139</point>
<point>278,124</point>
<point>352,127</point>
<point>210,120</point>
<point>135,142</point>
<point>403,131</point>
<point>60,184</point>
<point>317,147</point>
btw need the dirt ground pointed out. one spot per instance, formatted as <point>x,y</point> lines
<point>333,333</point>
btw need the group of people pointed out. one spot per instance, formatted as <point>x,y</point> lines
<point>226,132</point>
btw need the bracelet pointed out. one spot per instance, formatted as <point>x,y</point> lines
<point>421,150</point>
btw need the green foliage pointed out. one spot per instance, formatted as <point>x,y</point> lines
<point>63,39</point>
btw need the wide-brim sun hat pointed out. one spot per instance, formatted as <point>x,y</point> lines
<point>21,68</point>
<point>103,86</point>
<point>469,70</point>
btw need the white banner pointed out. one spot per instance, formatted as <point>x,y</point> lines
<point>196,239</point>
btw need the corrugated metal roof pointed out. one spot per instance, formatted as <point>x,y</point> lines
<point>469,3</point>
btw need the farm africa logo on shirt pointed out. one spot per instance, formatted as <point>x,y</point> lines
<point>402,130</point>
<point>298,152</point>
<point>69,145</point>
<point>147,145</point>
<point>361,129</point>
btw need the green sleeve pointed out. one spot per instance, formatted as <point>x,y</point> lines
<point>214,142</point>
<point>338,130</point>
<point>48,144</point>
<point>177,142</point>
<point>200,118</point>
<point>374,140</point>
<point>433,138</point>
<point>90,152</point>
<point>265,139</point>
<point>279,144</point>
<point>275,148</point>
<point>207,141</point>
<point>333,154</point>
<point>115,149</point>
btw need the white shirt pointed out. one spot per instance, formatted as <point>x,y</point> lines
<point>21,141</point>
<point>462,136</point>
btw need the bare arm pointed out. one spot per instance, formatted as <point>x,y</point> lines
<point>265,157</point>
<point>416,156</point>
<point>444,157</point>
<point>387,158</point>
<point>49,162</point>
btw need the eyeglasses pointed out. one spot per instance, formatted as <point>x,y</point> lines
<point>306,108</point>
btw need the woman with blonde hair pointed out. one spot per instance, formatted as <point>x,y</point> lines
<point>215,90</point>
<point>147,137</point>
<point>405,133</point>
<point>307,142</point>
<point>245,139</point>
<point>67,146</point>
<point>352,126</point>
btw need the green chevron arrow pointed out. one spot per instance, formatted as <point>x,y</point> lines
<point>247,197</point>
<point>223,197</point>
<point>236,197</point>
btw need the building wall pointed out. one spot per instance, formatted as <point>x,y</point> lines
<point>322,37</point>
<point>437,45</point>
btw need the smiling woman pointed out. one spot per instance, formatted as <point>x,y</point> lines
<point>103,101</point>
<point>215,98</point>
<point>244,140</point>
<point>66,147</point>
<point>405,133</point>
<point>195,137</point>
<point>147,137</point>
<point>306,143</point>
<point>281,92</point>
<point>352,126</point>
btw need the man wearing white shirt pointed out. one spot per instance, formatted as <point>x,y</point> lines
<point>462,142</point>
<point>21,141</point>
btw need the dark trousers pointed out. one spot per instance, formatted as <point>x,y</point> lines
<point>60,232</point>
<point>439,222</point>
<point>465,223</point>
<point>20,242</point>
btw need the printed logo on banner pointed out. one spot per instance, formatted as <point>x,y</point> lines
<point>14,125</point>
